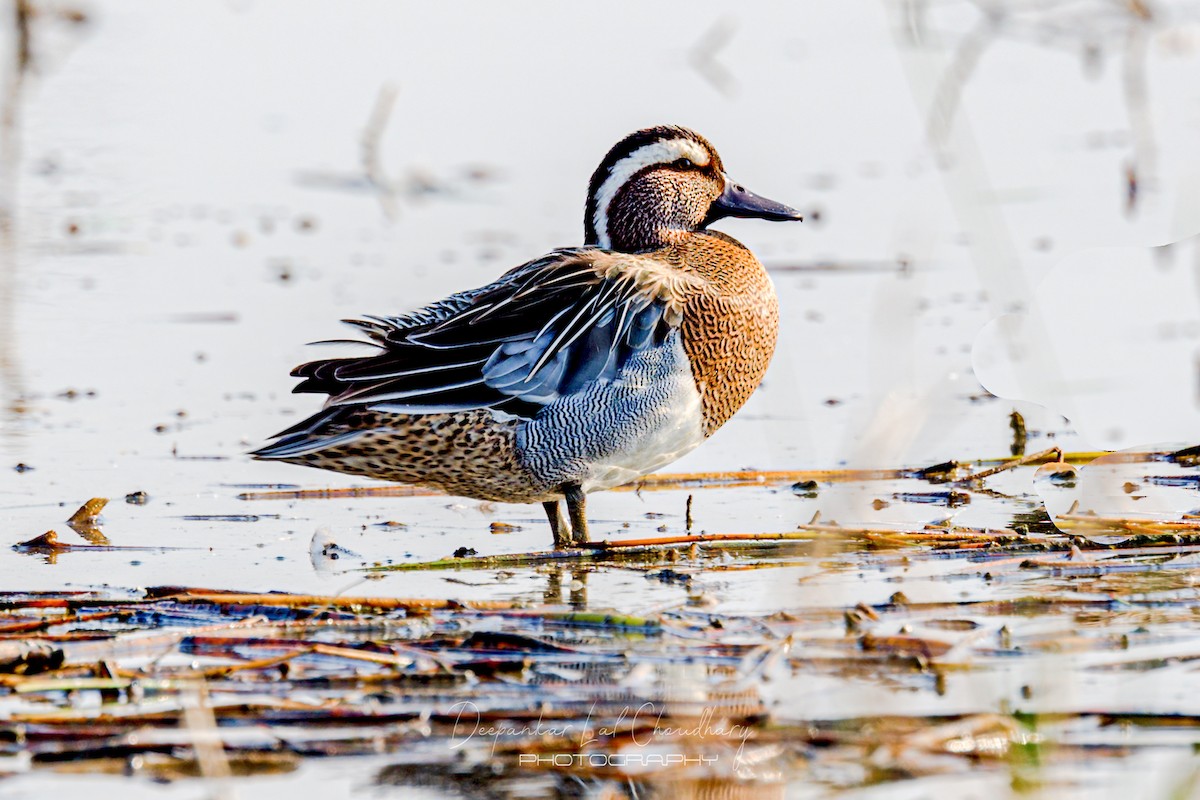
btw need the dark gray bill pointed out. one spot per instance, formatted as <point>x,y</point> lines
<point>738,201</point>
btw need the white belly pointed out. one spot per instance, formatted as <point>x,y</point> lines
<point>679,432</point>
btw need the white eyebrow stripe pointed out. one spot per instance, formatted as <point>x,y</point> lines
<point>660,152</point>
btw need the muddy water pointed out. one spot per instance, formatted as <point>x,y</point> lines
<point>200,191</point>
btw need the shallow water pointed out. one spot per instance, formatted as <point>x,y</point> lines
<point>191,207</point>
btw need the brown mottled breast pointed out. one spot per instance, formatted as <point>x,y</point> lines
<point>730,321</point>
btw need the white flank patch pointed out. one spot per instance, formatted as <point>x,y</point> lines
<point>676,435</point>
<point>662,152</point>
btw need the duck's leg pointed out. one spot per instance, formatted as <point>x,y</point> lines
<point>577,508</point>
<point>558,523</point>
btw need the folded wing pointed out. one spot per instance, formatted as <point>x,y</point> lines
<point>544,330</point>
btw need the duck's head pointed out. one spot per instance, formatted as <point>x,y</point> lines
<point>659,184</point>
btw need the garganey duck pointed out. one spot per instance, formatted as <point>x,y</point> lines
<point>582,370</point>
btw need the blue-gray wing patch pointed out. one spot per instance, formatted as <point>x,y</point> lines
<point>544,330</point>
<point>555,362</point>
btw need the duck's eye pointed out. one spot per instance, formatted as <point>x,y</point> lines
<point>683,163</point>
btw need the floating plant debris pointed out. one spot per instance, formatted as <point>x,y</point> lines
<point>555,691</point>
<point>228,517</point>
<point>48,545</point>
<point>86,521</point>
<point>935,498</point>
<point>88,512</point>
<point>533,685</point>
<point>806,480</point>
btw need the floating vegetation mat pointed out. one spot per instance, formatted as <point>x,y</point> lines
<point>1035,654</point>
<point>510,699</point>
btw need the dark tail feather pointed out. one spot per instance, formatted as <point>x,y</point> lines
<point>314,433</point>
<point>319,376</point>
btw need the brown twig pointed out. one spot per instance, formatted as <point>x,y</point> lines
<point>301,600</point>
<point>1033,458</point>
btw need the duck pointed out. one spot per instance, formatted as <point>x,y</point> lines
<point>582,370</point>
